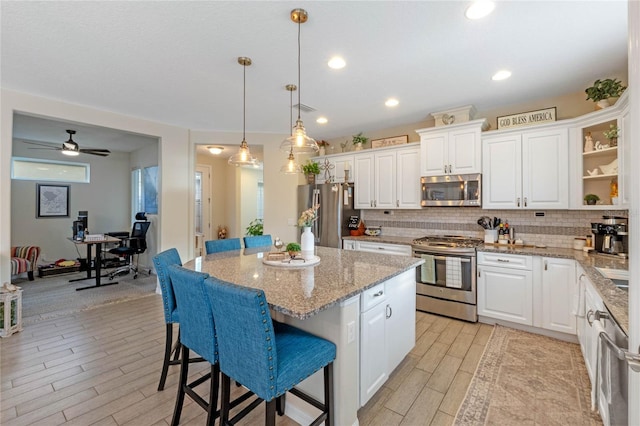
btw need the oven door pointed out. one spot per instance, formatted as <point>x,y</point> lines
<point>450,277</point>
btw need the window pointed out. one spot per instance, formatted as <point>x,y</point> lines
<point>144,192</point>
<point>49,170</point>
<point>260,207</point>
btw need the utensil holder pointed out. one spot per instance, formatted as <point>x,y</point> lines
<point>490,236</point>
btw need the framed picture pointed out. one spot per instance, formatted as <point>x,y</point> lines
<point>52,200</point>
<point>395,140</point>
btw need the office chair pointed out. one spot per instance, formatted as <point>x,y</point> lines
<point>132,246</point>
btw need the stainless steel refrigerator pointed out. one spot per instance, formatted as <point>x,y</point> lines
<point>336,206</point>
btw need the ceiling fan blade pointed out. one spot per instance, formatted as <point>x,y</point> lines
<point>49,149</point>
<point>100,152</point>
<point>43,145</point>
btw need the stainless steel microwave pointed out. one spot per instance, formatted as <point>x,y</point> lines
<point>452,190</point>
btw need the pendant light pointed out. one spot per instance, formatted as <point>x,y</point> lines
<point>291,167</point>
<point>299,142</point>
<point>243,157</point>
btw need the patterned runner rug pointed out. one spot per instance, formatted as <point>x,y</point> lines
<point>54,296</point>
<point>528,379</point>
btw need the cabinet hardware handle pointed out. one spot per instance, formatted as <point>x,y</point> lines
<point>518,202</point>
<point>503,260</point>
<point>445,168</point>
<point>389,311</point>
<point>545,265</point>
<point>589,317</point>
<point>371,203</point>
<point>449,168</point>
<point>478,273</point>
<point>525,201</point>
<point>378,294</point>
<point>397,203</point>
<point>375,203</point>
<point>380,248</point>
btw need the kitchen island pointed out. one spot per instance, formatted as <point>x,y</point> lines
<point>328,299</point>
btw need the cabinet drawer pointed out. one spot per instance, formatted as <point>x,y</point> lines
<point>396,249</point>
<point>372,297</point>
<point>514,261</point>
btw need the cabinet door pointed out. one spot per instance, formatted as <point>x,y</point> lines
<point>363,181</point>
<point>558,294</point>
<point>505,294</point>
<point>545,169</point>
<point>401,318</point>
<point>340,164</point>
<point>502,172</point>
<point>384,187</point>
<point>592,304</point>
<point>408,178</point>
<point>464,151</point>
<point>373,355</point>
<point>433,151</point>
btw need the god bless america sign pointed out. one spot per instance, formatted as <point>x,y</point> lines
<point>527,118</point>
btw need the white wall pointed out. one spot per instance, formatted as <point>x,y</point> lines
<point>175,219</point>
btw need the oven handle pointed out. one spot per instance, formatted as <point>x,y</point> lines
<point>462,259</point>
<point>622,354</point>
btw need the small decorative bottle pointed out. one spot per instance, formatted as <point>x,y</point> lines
<point>614,191</point>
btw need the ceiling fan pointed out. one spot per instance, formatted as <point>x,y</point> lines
<point>70,147</point>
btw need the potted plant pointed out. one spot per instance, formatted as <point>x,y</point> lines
<point>591,199</point>
<point>311,169</point>
<point>612,135</point>
<point>293,249</point>
<point>602,90</point>
<point>359,140</point>
<point>255,227</point>
<point>323,145</point>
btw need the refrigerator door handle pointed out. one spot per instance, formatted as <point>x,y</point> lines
<point>316,223</point>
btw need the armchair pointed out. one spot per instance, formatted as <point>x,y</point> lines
<point>24,259</point>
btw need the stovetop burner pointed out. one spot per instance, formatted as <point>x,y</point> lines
<point>453,241</point>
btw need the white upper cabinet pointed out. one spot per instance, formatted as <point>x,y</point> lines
<point>387,179</point>
<point>337,166</point>
<point>453,149</point>
<point>526,169</point>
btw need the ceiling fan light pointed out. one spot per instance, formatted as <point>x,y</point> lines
<point>479,9</point>
<point>70,153</point>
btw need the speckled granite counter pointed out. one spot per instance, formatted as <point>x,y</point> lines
<point>302,292</point>
<point>616,300</point>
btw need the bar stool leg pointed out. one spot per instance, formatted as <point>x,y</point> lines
<point>213,394</point>
<point>281,403</point>
<point>328,393</point>
<point>270,413</point>
<point>184,374</point>
<point>167,356</point>
<point>225,398</point>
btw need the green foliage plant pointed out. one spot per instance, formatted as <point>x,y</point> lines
<point>612,132</point>
<point>604,89</point>
<point>311,168</point>
<point>255,227</point>
<point>591,198</point>
<point>359,139</point>
<point>293,247</point>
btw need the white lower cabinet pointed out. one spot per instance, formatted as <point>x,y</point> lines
<point>384,248</point>
<point>505,293</point>
<point>533,291</point>
<point>558,294</point>
<point>387,331</point>
<point>589,303</point>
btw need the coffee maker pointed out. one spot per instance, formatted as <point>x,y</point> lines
<point>611,236</point>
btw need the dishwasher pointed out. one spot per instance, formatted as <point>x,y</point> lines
<point>613,359</point>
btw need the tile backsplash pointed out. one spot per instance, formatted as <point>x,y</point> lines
<point>557,228</point>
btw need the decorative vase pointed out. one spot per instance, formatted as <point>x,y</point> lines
<point>603,103</point>
<point>322,151</point>
<point>613,142</point>
<point>307,243</point>
<point>311,178</point>
<point>358,146</point>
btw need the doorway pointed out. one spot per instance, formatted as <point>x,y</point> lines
<point>202,206</point>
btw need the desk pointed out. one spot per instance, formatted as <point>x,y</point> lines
<point>323,299</point>
<point>97,260</point>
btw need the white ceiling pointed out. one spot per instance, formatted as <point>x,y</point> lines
<point>176,62</point>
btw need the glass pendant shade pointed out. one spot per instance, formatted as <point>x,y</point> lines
<point>243,157</point>
<point>291,167</point>
<point>299,141</point>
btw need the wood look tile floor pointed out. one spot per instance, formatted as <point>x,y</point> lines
<point>101,367</point>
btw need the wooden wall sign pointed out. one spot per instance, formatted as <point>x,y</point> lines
<point>530,118</point>
<point>396,140</point>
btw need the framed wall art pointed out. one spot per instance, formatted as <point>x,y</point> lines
<point>395,140</point>
<point>52,200</point>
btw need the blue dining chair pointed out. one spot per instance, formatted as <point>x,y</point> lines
<point>266,357</point>
<point>217,246</point>
<point>257,241</point>
<point>196,334</point>
<point>161,262</point>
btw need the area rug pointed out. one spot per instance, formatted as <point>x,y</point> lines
<point>528,379</point>
<point>54,296</point>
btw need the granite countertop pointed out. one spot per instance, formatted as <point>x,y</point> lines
<point>615,299</point>
<point>303,291</point>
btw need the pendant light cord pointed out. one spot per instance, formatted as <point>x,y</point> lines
<point>299,69</point>
<point>244,100</point>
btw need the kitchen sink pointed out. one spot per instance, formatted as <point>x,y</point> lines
<point>620,277</point>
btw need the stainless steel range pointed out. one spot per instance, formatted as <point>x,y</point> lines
<point>446,282</point>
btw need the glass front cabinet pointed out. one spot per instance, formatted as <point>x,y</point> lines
<point>599,161</point>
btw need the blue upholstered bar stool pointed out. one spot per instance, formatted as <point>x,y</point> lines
<point>161,262</point>
<point>217,246</point>
<point>257,241</point>
<point>197,334</point>
<point>268,358</point>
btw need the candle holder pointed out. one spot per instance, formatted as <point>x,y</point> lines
<point>346,175</point>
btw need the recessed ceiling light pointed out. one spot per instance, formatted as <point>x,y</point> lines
<point>215,150</point>
<point>391,102</point>
<point>501,75</point>
<point>322,120</point>
<point>336,63</point>
<point>479,9</point>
